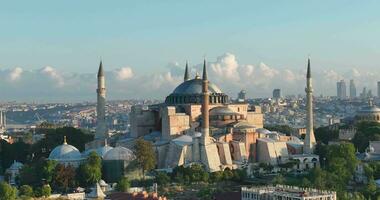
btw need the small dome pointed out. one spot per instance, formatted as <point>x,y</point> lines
<point>183,140</point>
<point>119,153</point>
<point>65,152</point>
<point>16,165</point>
<point>194,86</point>
<point>101,151</point>
<point>197,134</point>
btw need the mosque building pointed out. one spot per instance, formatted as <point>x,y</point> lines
<point>369,113</point>
<point>198,123</point>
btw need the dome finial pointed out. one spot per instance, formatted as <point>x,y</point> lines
<point>105,142</point>
<point>197,75</point>
<point>64,140</point>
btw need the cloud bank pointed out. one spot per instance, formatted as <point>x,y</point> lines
<point>259,80</point>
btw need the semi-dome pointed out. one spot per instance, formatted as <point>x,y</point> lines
<point>119,153</point>
<point>65,152</point>
<point>222,110</point>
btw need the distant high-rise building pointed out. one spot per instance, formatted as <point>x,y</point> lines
<point>276,93</point>
<point>3,121</point>
<point>378,89</point>
<point>363,95</point>
<point>241,96</point>
<point>341,89</point>
<point>369,94</point>
<point>352,89</point>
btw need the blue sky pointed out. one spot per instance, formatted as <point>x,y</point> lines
<point>147,36</point>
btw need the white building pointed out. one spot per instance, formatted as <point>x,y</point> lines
<point>283,192</point>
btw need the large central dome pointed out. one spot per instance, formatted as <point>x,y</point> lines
<point>194,86</point>
<point>190,92</point>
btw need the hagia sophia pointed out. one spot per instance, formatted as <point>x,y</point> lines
<point>197,123</point>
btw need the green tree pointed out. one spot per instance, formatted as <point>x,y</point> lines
<point>162,179</point>
<point>46,169</point>
<point>28,175</point>
<point>64,177</point>
<point>91,171</point>
<point>45,191</point>
<point>305,182</point>
<point>7,192</point>
<point>326,134</point>
<point>123,185</point>
<point>54,137</point>
<point>279,179</point>
<point>26,191</point>
<point>205,193</point>
<point>370,189</point>
<point>145,155</point>
<point>228,174</point>
<point>216,176</point>
<point>366,131</point>
<point>18,151</point>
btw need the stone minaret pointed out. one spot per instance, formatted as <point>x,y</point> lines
<point>309,142</point>
<point>205,104</point>
<point>1,118</point>
<point>101,128</point>
<point>208,149</point>
<point>186,77</point>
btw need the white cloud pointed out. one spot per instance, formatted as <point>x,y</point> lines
<point>226,66</point>
<point>15,73</point>
<point>54,75</point>
<point>226,71</point>
<point>124,73</point>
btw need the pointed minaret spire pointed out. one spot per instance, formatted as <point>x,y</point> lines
<point>100,72</point>
<point>186,77</point>
<point>204,77</point>
<point>308,75</point>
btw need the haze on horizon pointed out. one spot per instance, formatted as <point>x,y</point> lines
<point>50,51</point>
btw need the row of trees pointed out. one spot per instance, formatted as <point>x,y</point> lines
<point>196,174</point>
<point>61,177</point>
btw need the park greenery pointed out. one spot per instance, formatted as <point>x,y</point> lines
<point>195,177</point>
<point>145,156</point>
